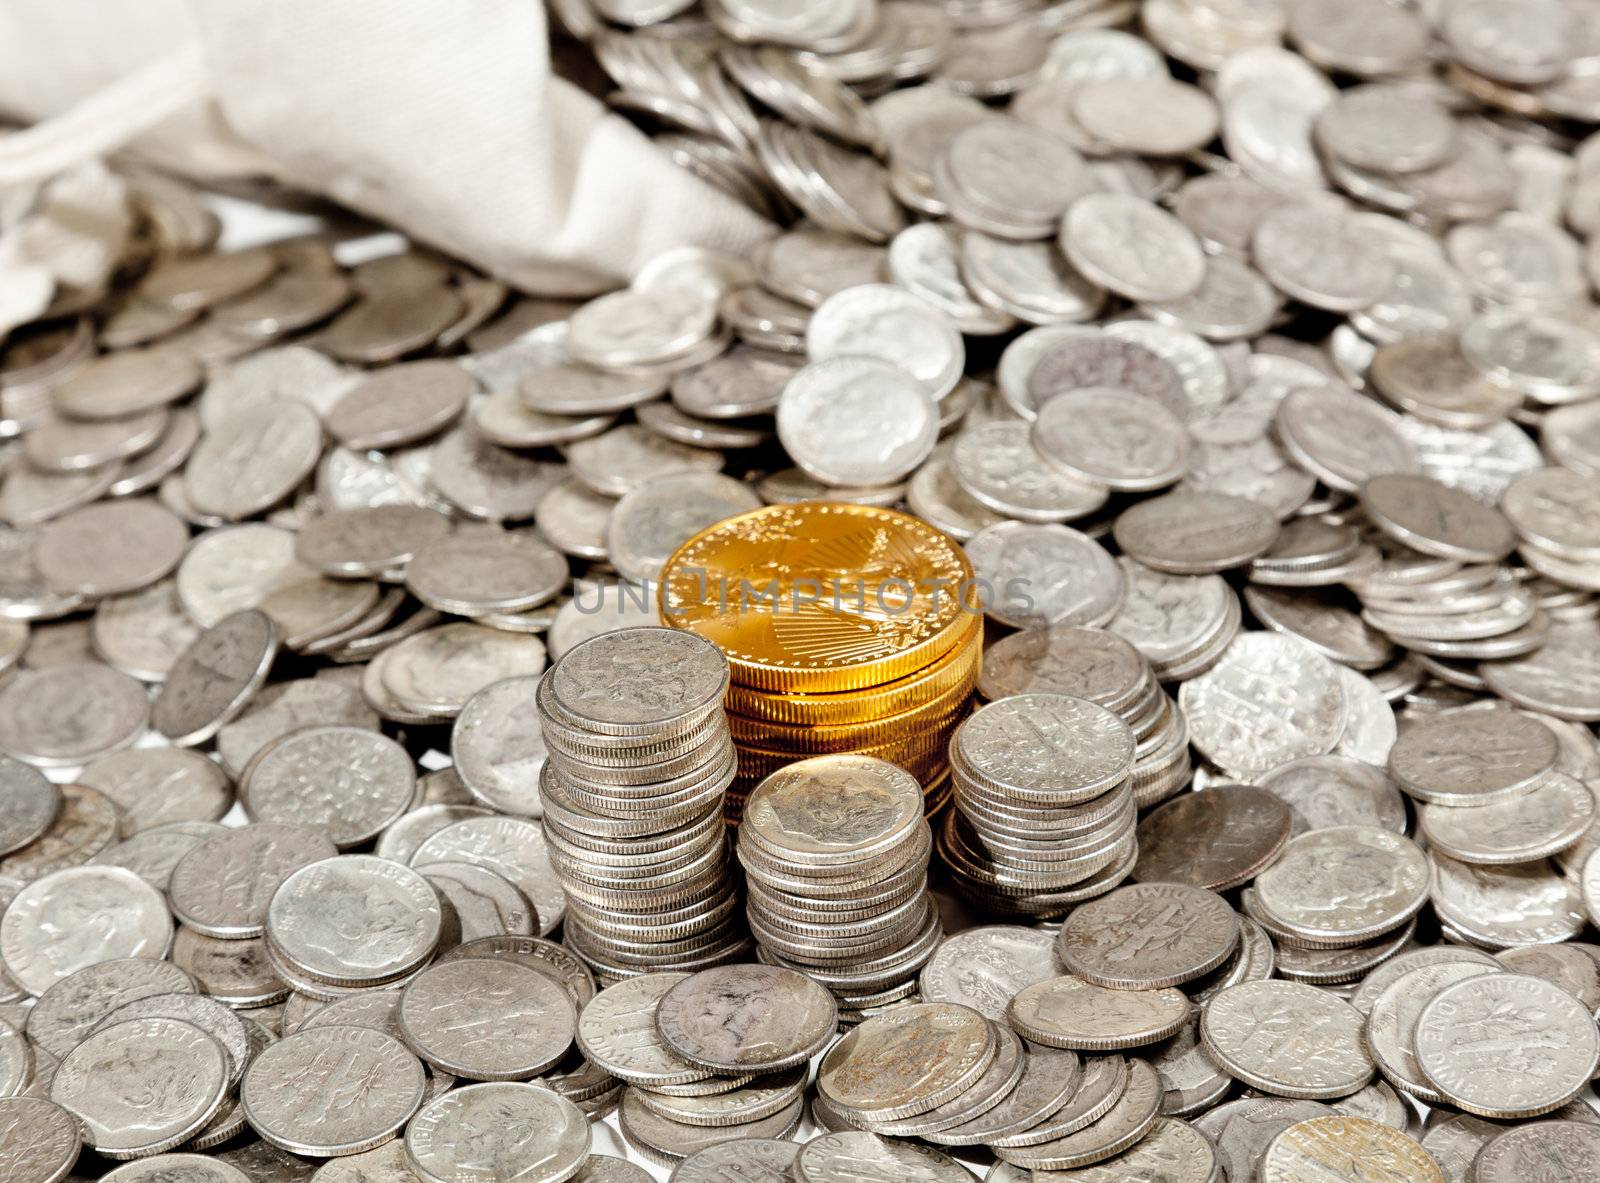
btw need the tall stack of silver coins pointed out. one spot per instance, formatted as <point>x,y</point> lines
<point>1044,804</point>
<point>639,758</point>
<point>835,850</point>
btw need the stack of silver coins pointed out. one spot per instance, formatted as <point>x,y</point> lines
<point>638,760</point>
<point>835,851</point>
<point>1044,804</point>
<point>1109,671</point>
<point>710,1057</point>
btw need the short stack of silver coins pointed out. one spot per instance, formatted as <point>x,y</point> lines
<point>1044,804</point>
<point>852,910</point>
<point>639,759</point>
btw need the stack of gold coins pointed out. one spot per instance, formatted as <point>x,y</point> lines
<point>847,628</point>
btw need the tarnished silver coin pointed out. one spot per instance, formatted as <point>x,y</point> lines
<point>746,1018</point>
<point>71,1008</point>
<point>520,1023</point>
<point>748,1160</point>
<point>1172,1150</point>
<point>39,1140</point>
<point>1148,935</point>
<point>498,1130</point>
<point>1218,839</point>
<point>436,671</point>
<point>907,1060</point>
<point>1195,533</point>
<point>1288,1039</point>
<point>1332,1147</point>
<point>155,787</point>
<point>1550,817</point>
<point>84,826</point>
<point>287,1087</point>
<point>142,1086</point>
<point>74,918</point>
<point>1546,1146</point>
<point>1323,791</point>
<point>1460,1035</point>
<point>482,570</point>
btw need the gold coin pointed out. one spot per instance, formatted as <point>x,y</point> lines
<point>924,756</point>
<point>849,737</point>
<point>960,664</point>
<point>819,597</point>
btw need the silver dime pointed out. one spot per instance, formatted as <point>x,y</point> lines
<point>1132,247</point>
<point>1548,1146</point>
<point>1334,1146</point>
<point>1340,886</point>
<point>746,1018</point>
<point>1067,1011</point>
<point>354,920</point>
<point>367,541</point>
<point>1426,516</point>
<point>1319,255</point>
<point>1519,904</point>
<point>1550,817</point>
<point>653,520</point>
<point>76,917</point>
<point>142,1086</point>
<point>1323,791</point>
<point>907,1060</point>
<point>483,570</point>
<point>159,786</point>
<point>625,457</point>
<point>1195,533</point>
<point>288,706</point>
<point>893,325</point>
<point>39,1140</point>
<point>617,1031</point>
<point>400,404</point>
<point>70,714</point>
<point>198,1011</point>
<point>498,747</point>
<point>1148,935</point>
<point>1172,1150</point>
<point>1461,1032</point>
<point>29,803</point>
<point>485,904</point>
<point>222,888</point>
<point>382,1164</point>
<point>110,548</point>
<point>748,1160</point>
<point>1124,1124</point>
<point>1033,575</point>
<point>857,421</point>
<point>346,781</point>
<point>984,967</point>
<point>1117,438</point>
<point>437,670</point>
<point>252,460</point>
<point>1287,1038</point>
<point>511,847</point>
<point>71,1008</point>
<point>215,677</point>
<point>1391,1029</point>
<point>501,1129</point>
<point>998,466</point>
<point>84,826</point>
<point>236,973</point>
<point>855,1154</point>
<point>287,1089</point>
<point>1467,758</point>
<point>520,1023</point>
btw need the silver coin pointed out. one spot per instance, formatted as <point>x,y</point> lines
<point>1548,1145</point>
<point>158,786</point>
<point>1426,516</point>
<point>70,1009</point>
<point>746,1018</point>
<point>656,518</point>
<point>194,1010</point>
<point>346,781</point>
<point>288,706</point>
<point>554,961</point>
<point>110,548</point>
<point>143,633</point>
<point>1132,247</point>
<point>483,570</point>
<point>1115,438</point>
<point>382,1164</point>
<point>516,1130</point>
<point>1194,533</point>
<point>439,669</point>
<point>484,480</point>
<point>984,967</point>
<point>520,1025</point>
<point>1456,758</point>
<point>1287,1038</point>
<point>286,1089</point>
<point>1148,935</point>
<point>70,714</point>
<point>512,848</point>
<point>252,460</point>
<point>400,405</point>
<point>1325,1144</point>
<point>617,1031</point>
<point>620,460</point>
<point>233,972</point>
<point>1132,1115</point>
<point>29,804</point>
<point>1046,574</point>
<point>1519,904</point>
<point>367,541</point>
<point>1320,256</point>
<point>748,1160</point>
<point>142,1086</point>
<point>1378,878</point>
<point>354,920</point>
<point>856,1154</point>
<point>84,826</point>
<point>890,324</point>
<point>76,917</point>
<point>485,904</point>
<point>498,748</point>
<point>1067,1011</point>
<point>856,421</point>
<point>1551,816</point>
<point>907,1060</point>
<point>1323,791</point>
<point>1453,1030</point>
<point>222,888</point>
<point>1392,1023</point>
<point>39,1140</point>
<point>997,465</point>
<point>215,677</point>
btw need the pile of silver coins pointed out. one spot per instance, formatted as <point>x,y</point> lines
<point>638,760</point>
<point>361,823</point>
<point>835,854</point>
